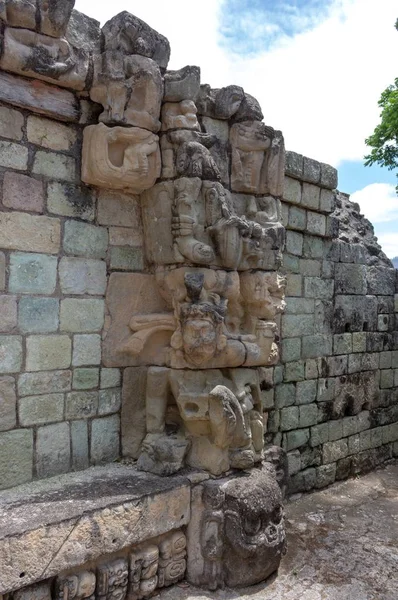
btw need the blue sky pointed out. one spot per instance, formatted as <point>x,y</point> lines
<point>316,66</point>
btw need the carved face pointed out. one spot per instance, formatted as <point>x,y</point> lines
<point>199,338</point>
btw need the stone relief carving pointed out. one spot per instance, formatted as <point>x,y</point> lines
<point>76,587</point>
<point>181,85</point>
<point>179,115</point>
<point>120,157</point>
<point>54,15</point>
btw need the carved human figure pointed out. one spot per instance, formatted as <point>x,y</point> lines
<point>120,158</point>
<point>211,536</point>
<point>219,103</point>
<point>179,115</point>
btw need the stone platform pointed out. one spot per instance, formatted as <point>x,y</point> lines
<point>342,545</point>
<point>54,525</point>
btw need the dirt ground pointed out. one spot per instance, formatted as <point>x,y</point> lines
<point>342,545</point>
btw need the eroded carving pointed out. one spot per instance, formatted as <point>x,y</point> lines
<point>120,158</point>
<point>182,84</point>
<point>179,115</point>
<point>75,587</point>
<point>54,15</point>
<point>112,580</point>
<point>219,103</point>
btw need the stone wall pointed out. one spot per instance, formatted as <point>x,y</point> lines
<point>335,397</point>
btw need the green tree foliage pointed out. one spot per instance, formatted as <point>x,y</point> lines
<point>384,140</point>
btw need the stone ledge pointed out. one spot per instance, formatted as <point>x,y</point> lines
<point>53,525</point>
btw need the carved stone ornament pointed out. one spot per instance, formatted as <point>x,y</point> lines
<point>120,158</point>
<point>54,15</point>
<point>181,85</point>
<point>179,115</point>
<point>76,587</point>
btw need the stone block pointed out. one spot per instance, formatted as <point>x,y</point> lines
<point>294,371</point>
<point>11,123</point>
<point>395,302</point>
<point>267,399</point>
<point>38,315</point>
<point>294,286</point>
<point>285,395</point>
<point>297,218</point>
<point>337,365</point>
<point>10,353</point>
<point>30,233</point>
<point>284,214</point>
<point>394,359</point>
<point>350,279</point>
<point>78,315</point>
<point>384,322</point>
<point>2,271</point>
<point>81,405</point>
<point>328,268</point>
<point>278,374</point>
<point>313,247</point>
<point>50,382</point>
<point>386,378</point>
<point>354,445</point>
<point>85,240</point>
<point>381,281</point>
<point>293,462</point>
<point>316,223</point>
<point>311,196</point>
<point>294,164</point>
<point>125,236</point>
<point>8,400</point>
<point>289,418</point>
<point>294,243</point>
<point>110,378</point>
<point>79,439</point>
<point>13,156</point>
<point>327,201</point>
<point>359,341</point>
<point>118,209</point>
<point>32,273</point>
<point>54,166</point>
<point>52,450</point>
<point>316,345</point>
<point>310,267</point>
<point>343,469</point>
<point>86,350</point>
<point>311,170</point>
<point>335,430</point>
<point>8,313</point>
<point>306,391</point>
<point>333,451</point>
<point>312,368</point>
<point>303,481</point>
<point>291,349</point>
<point>21,192</point>
<point>127,259</point>
<point>292,190</point>
<point>325,475</point>
<point>308,415</point>
<point>342,343</point>
<point>133,413</point>
<point>299,306</point>
<point>319,434</point>
<point>82,276</point>
<point>16,457</point>
<point>39,410</point>
<point>69,200</point>
<point>385,360</point>
<point>316,287</point>
<point>329,176</point>
<point>85,378</point>
<point>297,325</point>
<point>50,134</point>
<point>326,389</point>
<point>46,352</point>
<point>355,313</point>
<point>110,401</point>
<point>105,442</point>
<point>350,426</point>
<point>297,439</point>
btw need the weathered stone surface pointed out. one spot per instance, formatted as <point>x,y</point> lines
<point>8,313</point>
<point>115,208</point>
<point>53,450</point>
<point>11,123</point>
<point>82,315</point>
<point>70,201</point>
<point>50,382</point>
<point>46,352</point>
<point>81,405</point>
<point>109,401</point>
<point>16,467</point>
<point>125,236</point>
<point>82,276</point>
<point>8,401</point>
<point>85,378</point>
<point>55,166</point>
<point>2,271</point>
<point>328,176</point>
<point>110,378</point>
<point>311,196</point>
<point>19,231</point>
<point>133,414</point>
<point>294,164</point>
<point>84,32</point>
<point>127,259</point>
<point>13,156</point>
<point>105,439</point>
<point>38,315</point>
<point>311,170</point>
<point>126,508</point>
<point>182,84</point>
<point>49,134</point>
<point>22,193</point>
<point>32,273</point>
<point>79,440</point>
<point>86,350</point>
<point>10,353</point>
<point>39,410</point>
<point>85,240</point>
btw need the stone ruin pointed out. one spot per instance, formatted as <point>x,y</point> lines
<point>181,295</point>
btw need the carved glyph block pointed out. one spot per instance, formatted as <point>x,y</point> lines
<point>120,158</point>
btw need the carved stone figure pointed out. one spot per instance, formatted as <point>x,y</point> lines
<point>182,84</point>
<point>190,150</point>
<point>120,158</point>
<point>112,580</point>
<point>130,89</point>
<point>219,103</point>
<point>179,115</point>
<point>54,15</point>
<point>75,587</point>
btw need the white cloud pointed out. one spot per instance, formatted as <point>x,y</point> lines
<point>389,243</point>
<point>320,88</point>
<point>378,202</point>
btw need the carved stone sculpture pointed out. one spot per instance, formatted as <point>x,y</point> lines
<point>112,580</point>
<point>181,85</point>
<point>76,587</point>
<point>219,103</point>
<point>120,158</point>
<point>179,115</point>
<point>54,15</point>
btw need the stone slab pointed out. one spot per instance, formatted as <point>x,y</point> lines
<point>49,526</point>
